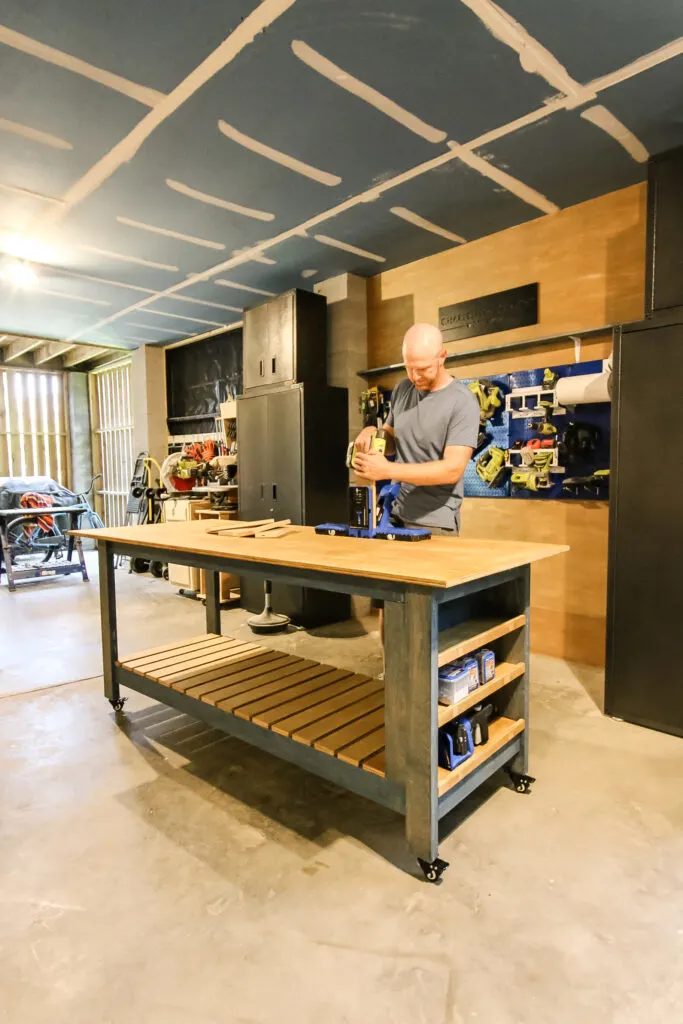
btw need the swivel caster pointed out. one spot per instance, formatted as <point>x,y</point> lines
<point>118,703</point>
<point>433,869</point>
<point>522,783</point>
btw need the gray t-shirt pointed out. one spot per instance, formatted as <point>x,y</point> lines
<point>425,424</point>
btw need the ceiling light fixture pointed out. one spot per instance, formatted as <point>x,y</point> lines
<point>19,274</point>
<point>24,248</point>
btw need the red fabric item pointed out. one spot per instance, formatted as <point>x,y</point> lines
<point>33,500</point>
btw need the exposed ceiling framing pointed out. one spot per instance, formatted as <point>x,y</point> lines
<point>163,175</point>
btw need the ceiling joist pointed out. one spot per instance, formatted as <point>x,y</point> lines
<point>19,347</point>
<point>82,354</point>
<point>51,350</point>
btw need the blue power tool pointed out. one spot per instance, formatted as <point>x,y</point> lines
<point>364,521</point>
<point>456,743</point>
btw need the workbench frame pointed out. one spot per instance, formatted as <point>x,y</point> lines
<point>412,615</point>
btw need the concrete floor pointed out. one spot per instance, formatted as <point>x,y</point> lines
<point>152,870</point>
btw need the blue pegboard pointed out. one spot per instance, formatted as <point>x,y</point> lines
<point>497,429</point>
<point>505,430</point>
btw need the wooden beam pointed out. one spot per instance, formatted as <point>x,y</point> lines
<point>51,350</point>
<point>83,354</point>
<point>19,347</point>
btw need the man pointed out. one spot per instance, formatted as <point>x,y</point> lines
<point>432,429</point>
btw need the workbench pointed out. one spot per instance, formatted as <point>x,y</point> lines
<point>443,598</point>
<point>25,516</point>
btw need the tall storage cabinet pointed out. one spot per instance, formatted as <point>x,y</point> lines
<point>645,595</point>
<point>291,436</point>
<point>645,608</point>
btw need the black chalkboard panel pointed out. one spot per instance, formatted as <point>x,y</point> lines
<point>500,311</point>
<point>198,378</point>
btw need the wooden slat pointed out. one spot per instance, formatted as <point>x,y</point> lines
<point>335,683</point>
<point>260,687</point>
<point>134,659</point>
<point>334,742</point>
<point>270,694</point>
<point>359,687</point>
<point>237,671</point>
<point>501,731</point>
<point>324,726</point>
<point>363,748</point>
<point>170,659</point>
<point>188,666</point>
<point>223,657</point>
<point>376,764</point>
<point>309,689</point>
<point>470,636</point>
<point>505,673</point>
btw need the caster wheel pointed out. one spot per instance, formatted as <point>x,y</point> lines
<point>433,869</point>
<point>118,703</point>
<point>522,783</point>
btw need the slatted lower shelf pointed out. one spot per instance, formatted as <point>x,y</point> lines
<point>335,711</point>
<point>338,712</point>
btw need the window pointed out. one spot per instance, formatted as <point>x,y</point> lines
<point>112,426</point>
<point>32,425</point>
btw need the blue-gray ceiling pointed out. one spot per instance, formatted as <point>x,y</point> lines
<point>81,84</point>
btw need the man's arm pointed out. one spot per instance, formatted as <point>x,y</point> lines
<point>447,470</point>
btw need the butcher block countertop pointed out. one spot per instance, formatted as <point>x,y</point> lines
<point>438,562</point>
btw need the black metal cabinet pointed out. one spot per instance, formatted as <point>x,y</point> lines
<point>292,445</point>
<point>664,287</point>
<point>644,683</point>
<point>285,340</point>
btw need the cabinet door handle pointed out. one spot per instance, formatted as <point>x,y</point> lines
<point>274,492</point>
<point>261,368</point>
<point>263,492</point>
<point>274,363</point>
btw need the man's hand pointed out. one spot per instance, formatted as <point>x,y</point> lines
<point>373,466</point>
<point>364,439</point>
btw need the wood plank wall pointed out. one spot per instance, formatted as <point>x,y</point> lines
<point>590,263</point>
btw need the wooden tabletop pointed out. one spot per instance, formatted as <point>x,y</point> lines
<point>437,562</point>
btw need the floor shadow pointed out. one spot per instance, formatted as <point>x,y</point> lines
<point>229,799</point>
<point>341,630</point>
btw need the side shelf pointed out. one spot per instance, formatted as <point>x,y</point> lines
<point>505,673</point>
<point>469,636</point>
<point>501,732</point>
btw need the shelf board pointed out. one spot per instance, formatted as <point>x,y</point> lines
<point>501,731</point>
<point>505,673</point>
<point>469,636</point>
<point>336,711</point>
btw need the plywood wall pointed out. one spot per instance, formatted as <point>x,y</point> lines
<point>589,261</point>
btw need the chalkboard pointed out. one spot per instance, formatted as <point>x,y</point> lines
<point>198,378</point>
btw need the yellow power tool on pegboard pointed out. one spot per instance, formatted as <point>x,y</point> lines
<point>488,395</point>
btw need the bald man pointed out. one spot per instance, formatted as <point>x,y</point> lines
<point>432,428</point>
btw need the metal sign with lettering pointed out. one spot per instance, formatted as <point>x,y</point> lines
<point>500,311</point>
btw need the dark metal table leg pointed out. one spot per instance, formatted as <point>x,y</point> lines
<point>8,560</point>
<point>411,723</point>
<point>108,619</point>
<point>213,601</point>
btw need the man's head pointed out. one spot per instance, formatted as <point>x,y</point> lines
<point>424,355</point>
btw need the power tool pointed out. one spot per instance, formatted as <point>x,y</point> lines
<point>378,444</point>
<point>374,405</point>
<point>491,466</point>
<point>362,511</point>
<point>488,395</point>
<point>597,483</point>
